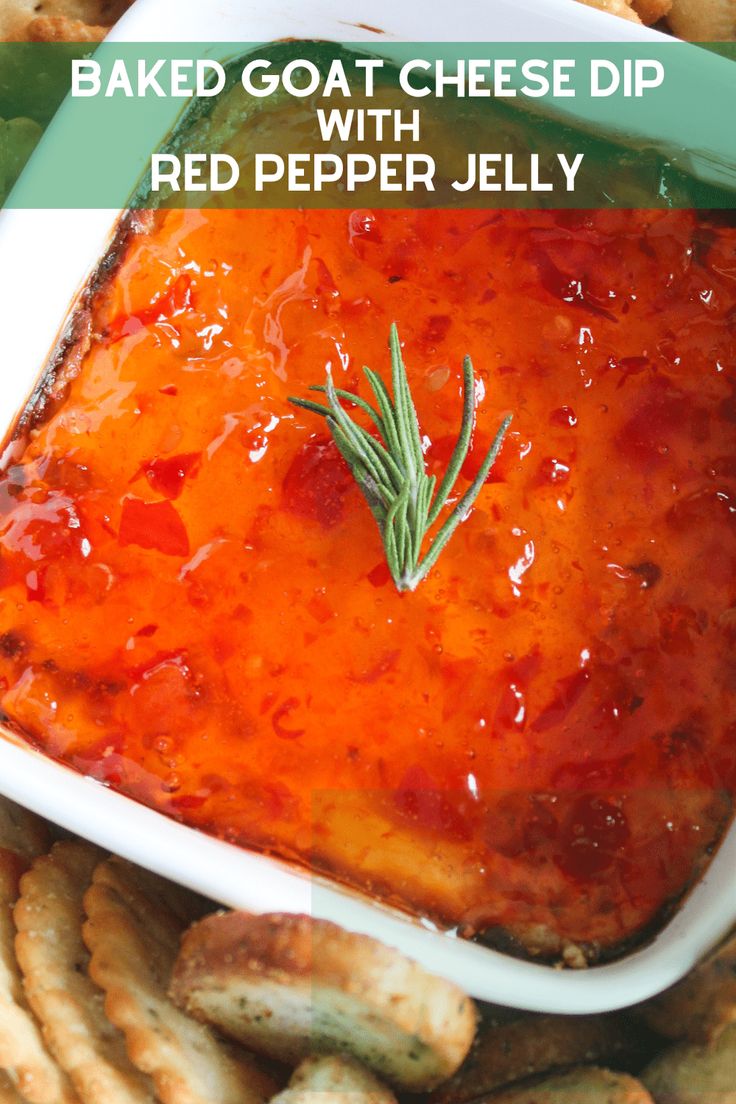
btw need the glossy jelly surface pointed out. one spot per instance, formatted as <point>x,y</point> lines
<point>195,607</point>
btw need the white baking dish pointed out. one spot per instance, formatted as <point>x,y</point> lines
<point>39,277</point>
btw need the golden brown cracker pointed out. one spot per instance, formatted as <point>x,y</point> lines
<point>621,8</point>
<point>23,1053</point>
<point>701,1005</point>
<point>691,1074</point>
<point>54,960</point>
<point>288,986</point>
<point>333,1080</point>
<point>587,1085</point>
<point>58,28</point>
<point>704,20</point>
<point>135,922</point>
<point>651,11</point>
<point>533,1045</point>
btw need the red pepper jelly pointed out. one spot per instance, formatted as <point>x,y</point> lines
<point>195,607</point>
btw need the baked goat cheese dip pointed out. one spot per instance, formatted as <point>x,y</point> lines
<point>538,744</point>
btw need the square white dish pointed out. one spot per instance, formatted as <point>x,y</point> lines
<point>39,278</point>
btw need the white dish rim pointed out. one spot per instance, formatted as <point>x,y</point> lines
<point>228,874</point>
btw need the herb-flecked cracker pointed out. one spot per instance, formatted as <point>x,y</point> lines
<point>291,986</point>
<point>333,1080</point>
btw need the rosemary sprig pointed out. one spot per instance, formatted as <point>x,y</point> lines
<point>391,472</point>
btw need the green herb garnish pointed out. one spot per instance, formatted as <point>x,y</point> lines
<point>391,471</point>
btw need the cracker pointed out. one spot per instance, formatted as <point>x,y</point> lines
<point>333,1080</point>
<point>59,28</point>
<point>21,831</point>
<point>135,921</point>
<point>533,1045</point>
<point>54,960</point>
<point>290,986</point>
<point>704,20</point>
<point>651,11</point>
<point>691,1074</point>
<point>701,1005</point>
<point>588,1085</point>
<point>621,8</point>
<point>23,1053</point>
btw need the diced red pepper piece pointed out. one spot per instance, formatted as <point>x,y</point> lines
<point>552,470</point>
<point>316,484</point>
<point>420,801</point>
<point>512,710</point>
<point>154,525</point>
<point>569,287</point>
<point>568,691</point>
<point>383,666</point>
<point>174,302</point>
<point>379,575</point>
<point>147,630</point>
<point>167,474</point>
<point>593,837</point>
<point>437,328</point>
<point>320,609</point>
<point>184,802</point>
<point>564,416</point>
<point>283,711</point>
